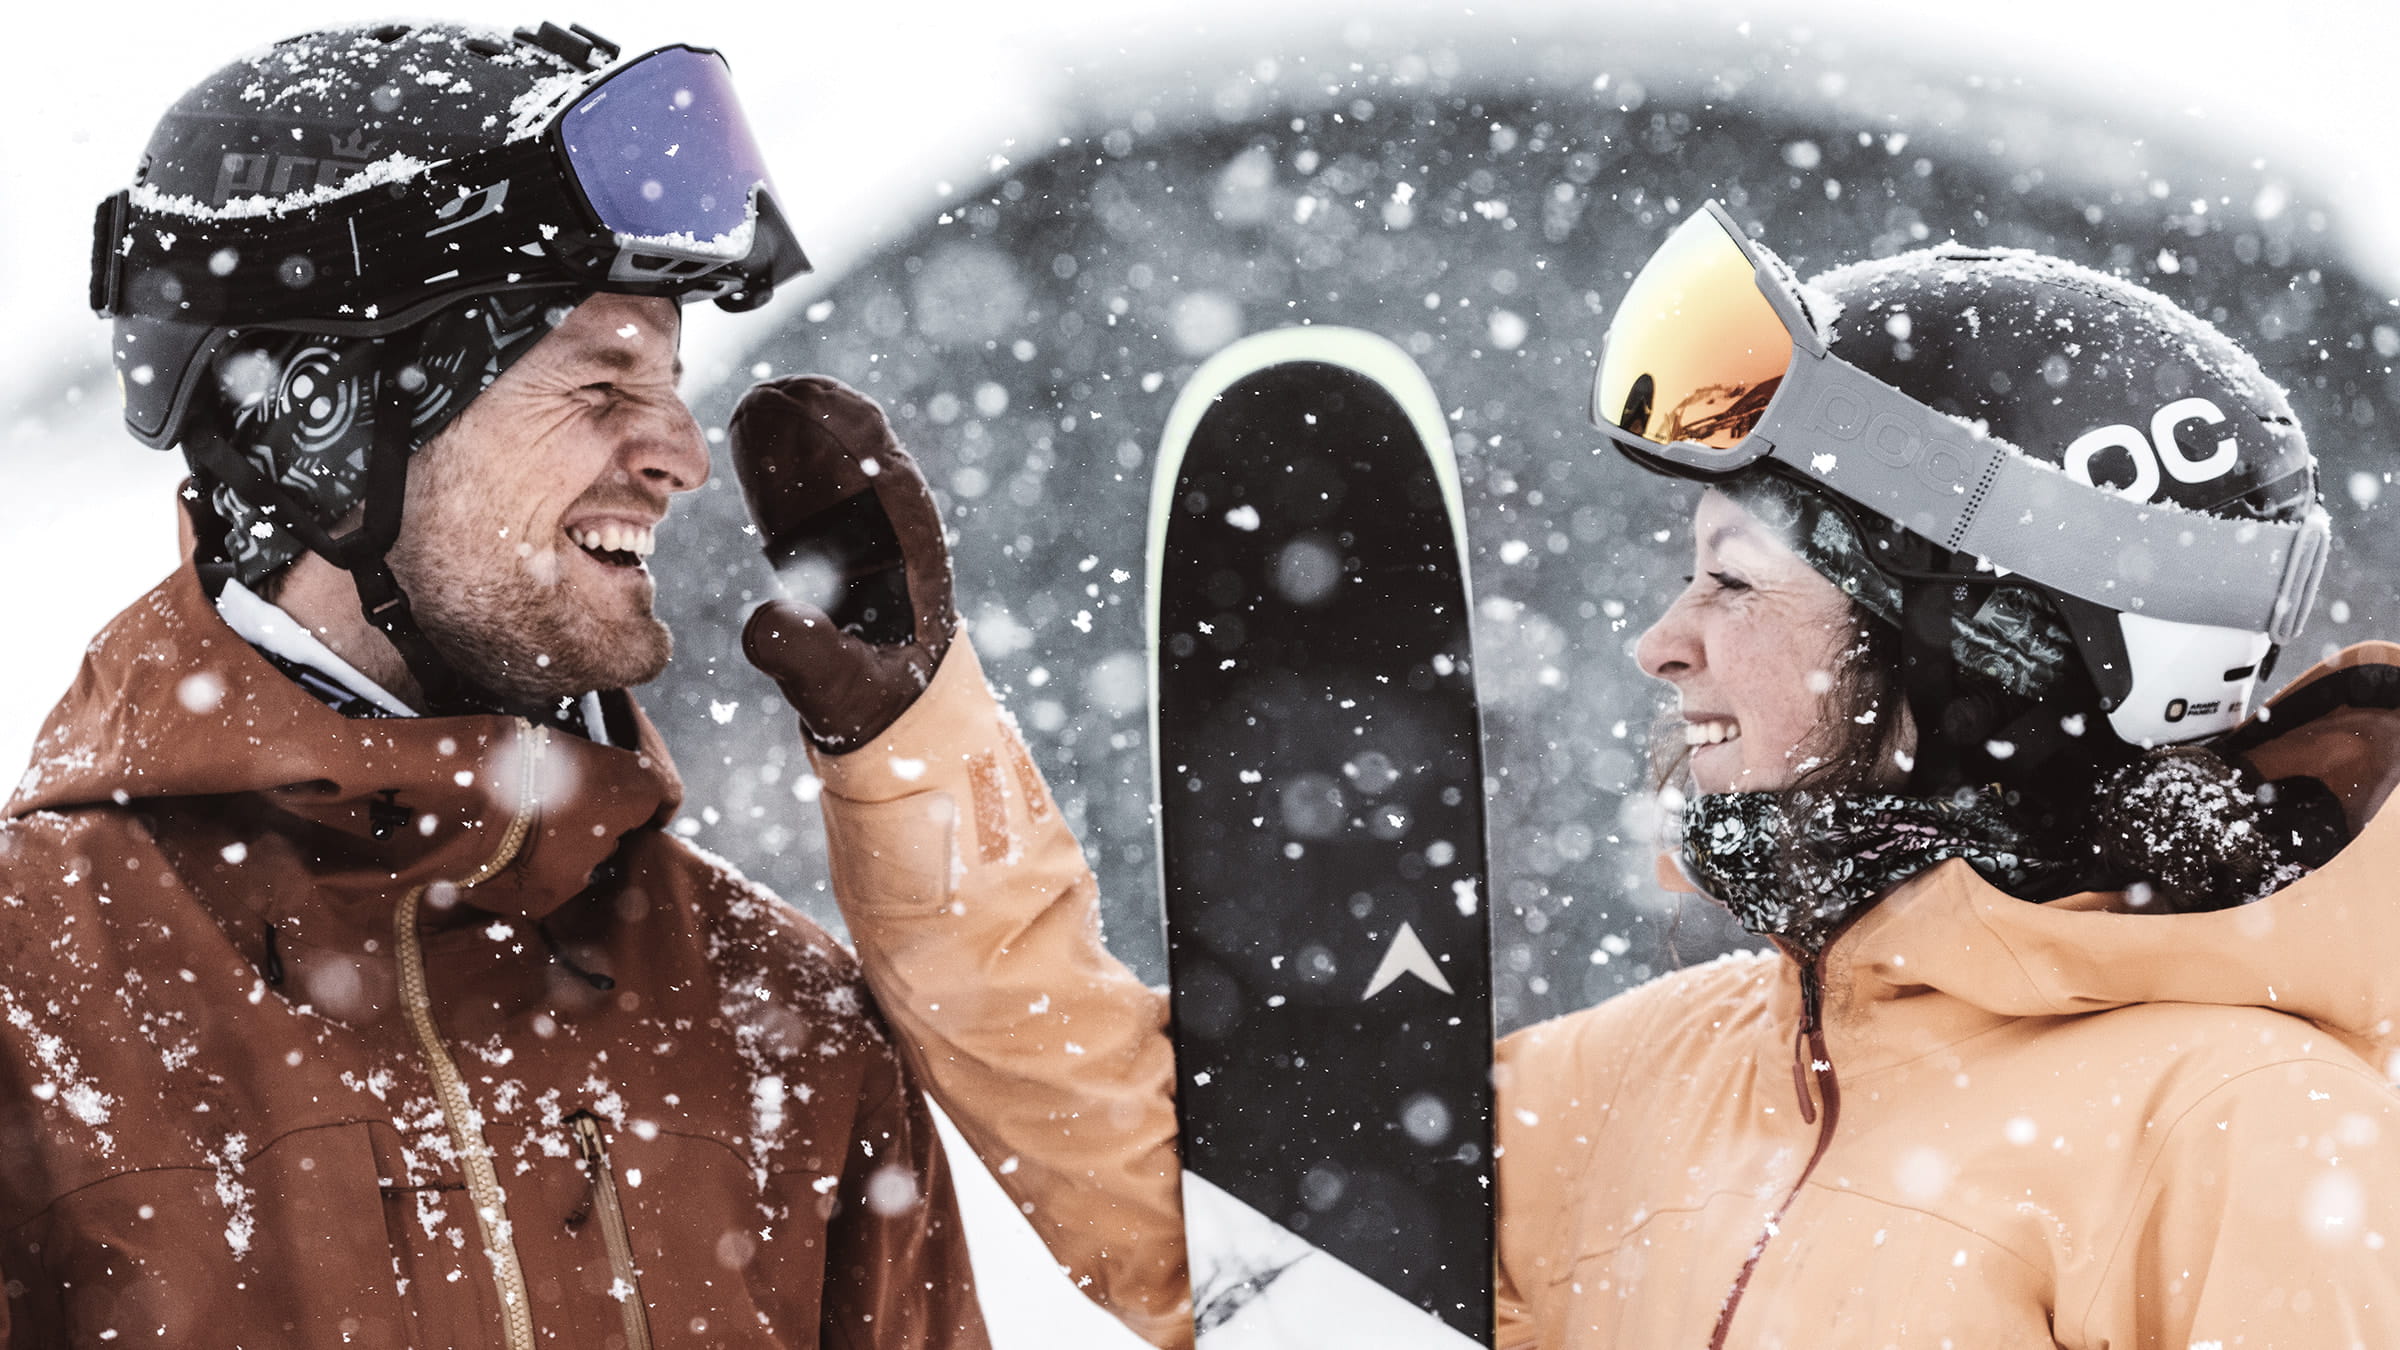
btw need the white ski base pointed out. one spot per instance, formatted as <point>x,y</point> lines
<point>1303,1299</point>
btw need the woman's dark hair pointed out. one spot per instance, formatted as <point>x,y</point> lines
<point>2181,828</point>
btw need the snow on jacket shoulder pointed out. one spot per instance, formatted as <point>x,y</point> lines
<point>2023,1124</point>
<point>419,1032</point>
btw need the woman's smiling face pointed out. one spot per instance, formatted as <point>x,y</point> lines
<point>1754,647</point>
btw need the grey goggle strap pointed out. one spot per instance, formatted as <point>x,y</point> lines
<point>1975,495</point>
<point>1970,493</point>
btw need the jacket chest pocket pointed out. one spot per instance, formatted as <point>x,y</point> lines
<point>632,1235</point>
<point>273,1243</point>
<point>1857,1272</point>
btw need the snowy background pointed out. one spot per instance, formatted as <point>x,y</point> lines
<point>1033,221</point>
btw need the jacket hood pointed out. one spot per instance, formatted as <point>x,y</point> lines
<point>2320,948</point>
<point>171,705</point>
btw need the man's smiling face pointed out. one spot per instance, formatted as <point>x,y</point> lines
<point>529,518</point>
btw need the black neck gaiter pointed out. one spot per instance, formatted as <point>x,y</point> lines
<point>1796,865</point>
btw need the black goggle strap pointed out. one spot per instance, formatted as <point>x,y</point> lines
<point>474,225</point>
<point>365,261</point>
<point>110,224</point>
<point>492,220</point>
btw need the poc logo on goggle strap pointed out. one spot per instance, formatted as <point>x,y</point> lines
<point>1896,441</point>
<point>2159,451</point>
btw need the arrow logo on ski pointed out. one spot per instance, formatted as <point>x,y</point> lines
<point>1406,956</point>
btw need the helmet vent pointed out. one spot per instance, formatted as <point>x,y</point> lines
<point>578,45</point>
<point>390,32</point>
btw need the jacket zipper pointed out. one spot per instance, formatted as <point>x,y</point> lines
<point>1809,1060</point>
<point>450,1087</point>
<point>628,1287</point>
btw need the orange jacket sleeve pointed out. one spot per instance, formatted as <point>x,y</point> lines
<point>976,920</point>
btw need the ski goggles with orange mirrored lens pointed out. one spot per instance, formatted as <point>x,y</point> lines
<point>1714,363</point>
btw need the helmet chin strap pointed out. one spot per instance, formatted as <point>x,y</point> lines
<point>1962,739</point>
<point>1929,678</point>
<point>364,553</point>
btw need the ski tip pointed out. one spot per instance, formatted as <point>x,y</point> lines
<point>1371,356</point>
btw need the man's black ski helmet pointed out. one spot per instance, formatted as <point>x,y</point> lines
<point>333,244</point>
<point>270,168</point>
<point>310,113</point>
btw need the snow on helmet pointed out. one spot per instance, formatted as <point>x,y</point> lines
<point>2126,393</point>
<point>313,114</point>
<point>2048,470</point>
<point>355,180</point>
<point>332,245</point>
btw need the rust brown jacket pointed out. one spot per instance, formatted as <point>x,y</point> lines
<point>418,1033</point>
<point>2002,1125</point>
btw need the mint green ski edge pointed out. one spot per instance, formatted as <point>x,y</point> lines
<point>1329,1302</point>
<point>1378,358</point>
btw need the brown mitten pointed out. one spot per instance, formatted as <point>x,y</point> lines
<point>856,543</point>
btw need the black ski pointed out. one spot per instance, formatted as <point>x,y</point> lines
<point>1320,788</point>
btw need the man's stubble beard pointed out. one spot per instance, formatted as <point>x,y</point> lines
<point>496,620</point>
<point>496,624</point>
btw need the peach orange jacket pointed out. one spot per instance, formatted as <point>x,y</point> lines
<point>1975,1122</point>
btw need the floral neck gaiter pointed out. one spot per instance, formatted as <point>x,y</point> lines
<point>1796,865</point>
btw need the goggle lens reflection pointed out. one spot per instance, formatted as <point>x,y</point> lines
<point>1695,351</point>
<point>663,152</point>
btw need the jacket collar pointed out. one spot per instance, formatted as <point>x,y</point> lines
<point>172,712</point>
<point>1947,954</point>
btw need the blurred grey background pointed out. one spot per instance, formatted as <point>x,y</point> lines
<point>1481,204</point>
<point>1032,225</point>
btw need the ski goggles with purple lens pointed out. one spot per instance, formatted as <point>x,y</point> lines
<point>643,179</point>
<point>1714,363</point>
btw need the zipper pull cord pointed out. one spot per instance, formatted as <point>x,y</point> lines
<point>1810,1011</point>
<point>271,965</point>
